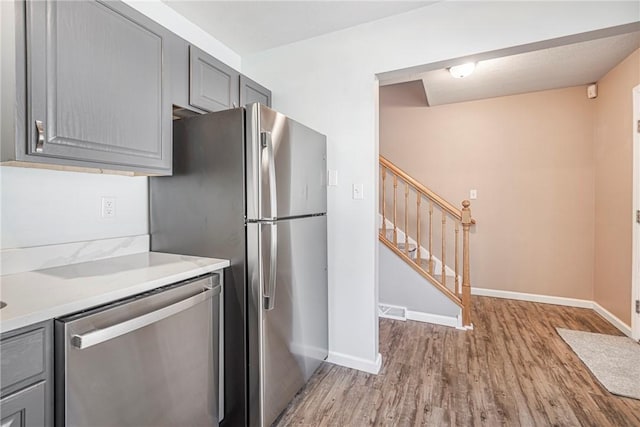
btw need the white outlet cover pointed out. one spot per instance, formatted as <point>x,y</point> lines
<point>108,207</point>
<point>473,194</point>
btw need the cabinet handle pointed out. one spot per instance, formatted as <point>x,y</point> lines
<point>40,141</point>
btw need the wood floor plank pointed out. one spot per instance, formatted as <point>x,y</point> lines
<point>513,369</point>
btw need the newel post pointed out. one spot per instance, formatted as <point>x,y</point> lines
<point>466,279</point>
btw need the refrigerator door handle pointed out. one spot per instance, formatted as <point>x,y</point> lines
<point>267,144</point>
<point>270,292</point>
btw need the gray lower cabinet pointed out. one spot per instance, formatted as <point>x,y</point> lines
<point>213,86</point>
<point>26,358</point>
<point>95,93</point>
<point>24,408</point>
<point>251,92</point>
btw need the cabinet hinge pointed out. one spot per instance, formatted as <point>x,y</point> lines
<point>638,130</point>
<point>638,216</point>
<point>638,306</point>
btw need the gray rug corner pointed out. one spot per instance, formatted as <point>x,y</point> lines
<point>613,360</point>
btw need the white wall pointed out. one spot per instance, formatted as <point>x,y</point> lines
<point>329,84</point>
<point>43,207</point>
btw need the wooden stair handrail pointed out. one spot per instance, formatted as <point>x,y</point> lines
<point>461,295</point>
<point>438,200</point>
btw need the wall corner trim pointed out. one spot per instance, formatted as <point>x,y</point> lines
<point>348,361</point>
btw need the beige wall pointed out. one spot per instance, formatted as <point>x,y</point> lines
<point>613,154</point>
<point>553,172</point>
<point>531,159</point>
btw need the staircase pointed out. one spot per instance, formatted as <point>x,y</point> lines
<point>410,234</point>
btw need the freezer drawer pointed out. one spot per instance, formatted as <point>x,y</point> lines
<point>147,361</point>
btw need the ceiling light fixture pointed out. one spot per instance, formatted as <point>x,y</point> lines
<point>460,71</point>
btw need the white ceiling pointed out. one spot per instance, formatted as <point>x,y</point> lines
<point>564,66</point>
<point>252,26</point>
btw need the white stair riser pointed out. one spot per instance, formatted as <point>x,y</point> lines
<point>424,253</point>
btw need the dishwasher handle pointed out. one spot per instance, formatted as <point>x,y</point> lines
<point>101,335</point>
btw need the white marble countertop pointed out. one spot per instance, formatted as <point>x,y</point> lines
<point>39,295</point>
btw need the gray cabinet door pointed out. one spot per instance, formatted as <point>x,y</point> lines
<point>251,92</point>
<point>213,86</point>
<point>176,63</point>
<point>96,87</point>
<point>26,372</point>
<point>25,408</point>
<point>23,359</point>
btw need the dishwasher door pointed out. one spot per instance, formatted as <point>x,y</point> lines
<point>151,360</point>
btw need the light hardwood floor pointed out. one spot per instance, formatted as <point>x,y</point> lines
<point>512,370</point>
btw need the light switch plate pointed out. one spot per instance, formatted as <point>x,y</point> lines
<point>333,178</point>
<point>473,194</point>
<point>358,191</point>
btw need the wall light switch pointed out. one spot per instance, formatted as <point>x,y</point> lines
<point>333,178</point>
<point>358,191</point>
<point>473,194</point>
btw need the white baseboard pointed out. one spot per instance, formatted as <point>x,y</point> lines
<point>372,367</point>
<point>436,319</point>
<point>547,299</point>
<point>611,318</point>
<point>522,296</point>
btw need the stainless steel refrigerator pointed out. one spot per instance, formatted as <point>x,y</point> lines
<point>249,185</point>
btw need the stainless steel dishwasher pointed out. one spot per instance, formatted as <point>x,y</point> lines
<point>151,360</point>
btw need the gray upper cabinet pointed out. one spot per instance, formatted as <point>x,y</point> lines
<point>93,84</point>
<point>213,86</point>
<point>176,61</point>
<point>97,85</point>
<point>251,92</point>
<point>97,94</point>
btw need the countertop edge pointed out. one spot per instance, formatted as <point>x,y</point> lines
<point>106,297</point>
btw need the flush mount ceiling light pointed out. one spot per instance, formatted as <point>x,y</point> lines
<point>460,71</point>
